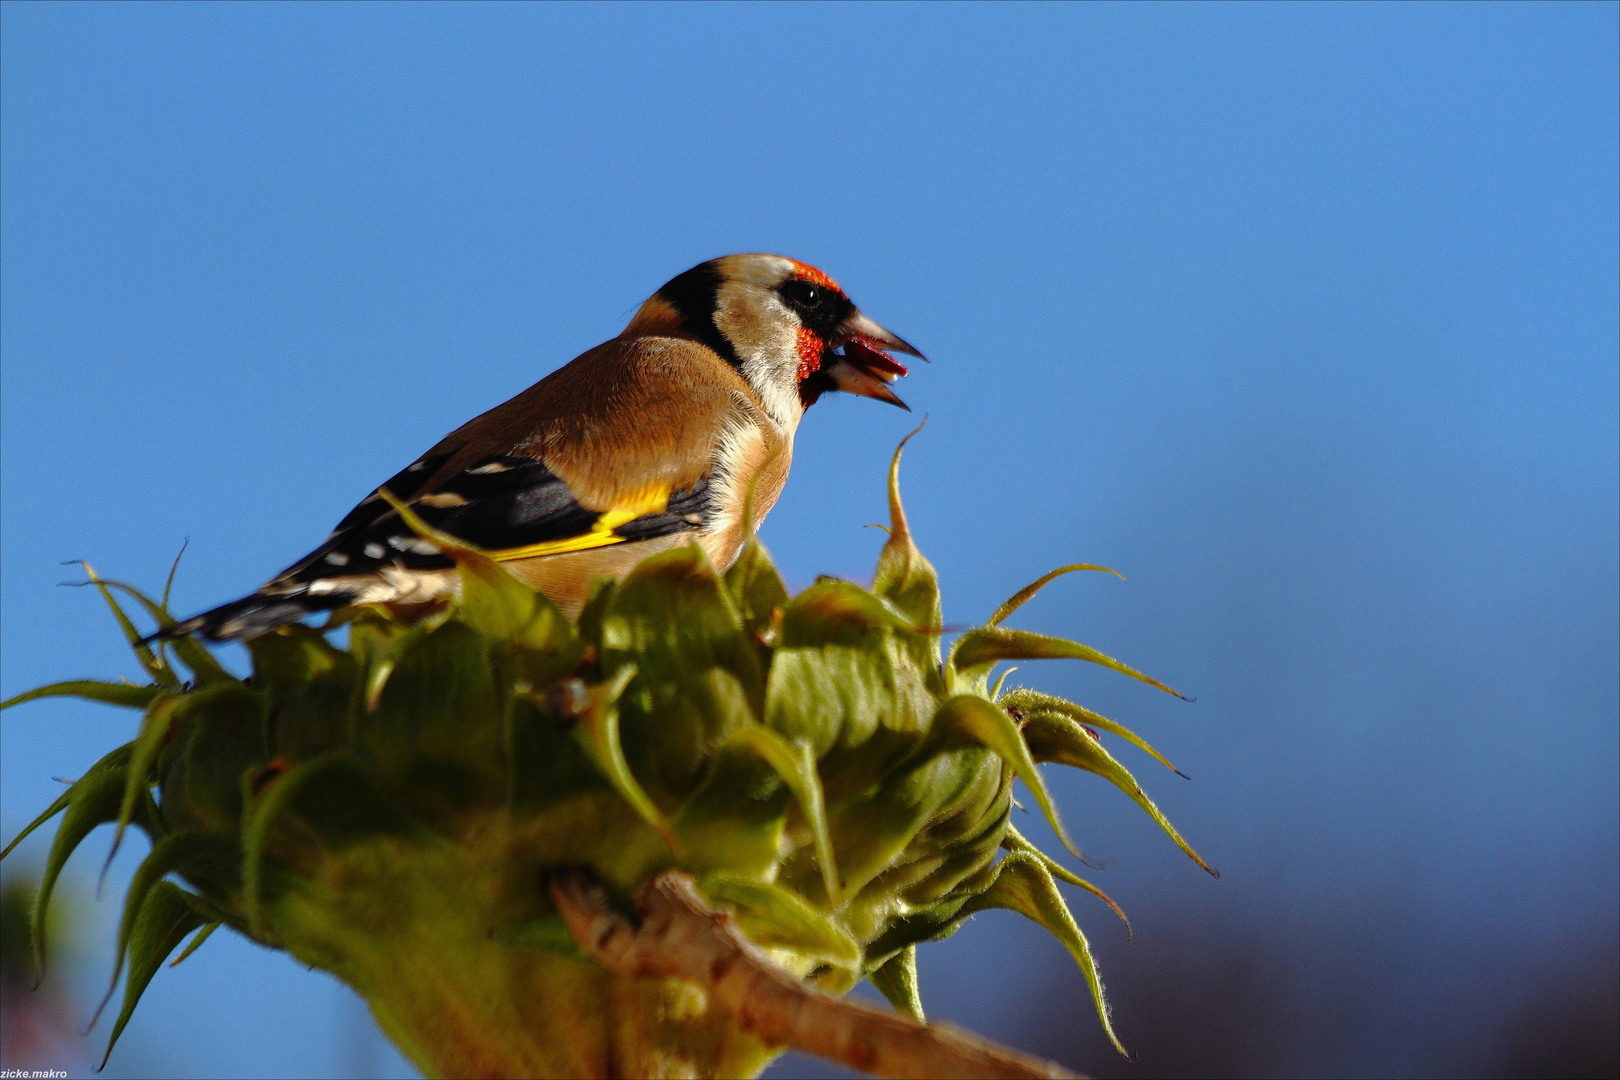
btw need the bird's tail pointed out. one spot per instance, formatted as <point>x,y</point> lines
<point>252,615</point>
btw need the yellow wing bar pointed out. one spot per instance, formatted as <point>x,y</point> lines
<point>652,500</point>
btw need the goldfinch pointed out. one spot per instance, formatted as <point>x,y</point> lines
<point>651,440</point>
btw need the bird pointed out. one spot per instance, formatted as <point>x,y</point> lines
<point>672,432</point>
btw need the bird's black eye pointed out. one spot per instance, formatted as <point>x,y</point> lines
<point>820,307</point>
<point>801,294</point>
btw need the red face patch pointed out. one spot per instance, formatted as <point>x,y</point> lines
<point>810,349</point>
<point>816,277</point>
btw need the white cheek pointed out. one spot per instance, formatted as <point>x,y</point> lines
<point>765,336</point>
<point>749,317</point>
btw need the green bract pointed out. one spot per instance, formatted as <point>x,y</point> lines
<point>389,811</point>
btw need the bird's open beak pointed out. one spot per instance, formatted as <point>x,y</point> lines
<point>864,365</point>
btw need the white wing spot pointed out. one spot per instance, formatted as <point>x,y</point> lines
<point>416,466</point>
<point>337,558</point>
<point>443,498</point>
<point>375,551</point>
<point>492,467</point>
<point>412,544</point>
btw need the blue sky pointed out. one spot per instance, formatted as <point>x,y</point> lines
<point>1304,318</point>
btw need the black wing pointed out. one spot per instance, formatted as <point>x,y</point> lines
<point>512,507</point>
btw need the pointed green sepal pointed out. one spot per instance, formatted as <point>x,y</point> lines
<point>1026,700</point>
<point>311,692</point>
<point>93,800</point>
<point>1056,738</point>
<point>597,599</point>
<point>675,621</point>
<point>844,669</point>
<point>165,919</point>
<point>981,648</point>
<point>208,852</point>
<point>202,789</point>
<point>774,916</point>
<point>907,580</point>
<point>903,575</point>
<point>138,779</point>
<point>1013,840</point>
<point>597,733</point>
<point>132,697</point>
<point>204,668</point>
<point>197,942</point>
<point>378,643</point>
<point>151,663</point>
<point>51,811</point>
<point>336,799</point>
<point>795,763</point>
<point>990,726</point>
<point>897,981</point>
<point>830,605</point>
<point>1024,595</point>
<point>174,568</point>
<point>757,590</point>
<point>994,693</point>
<point>1023,885</point>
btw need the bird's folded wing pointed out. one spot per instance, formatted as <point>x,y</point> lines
<point>618,445</point>
<point>511,506</point>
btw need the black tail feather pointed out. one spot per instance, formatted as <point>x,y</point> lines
<point>250,616</point>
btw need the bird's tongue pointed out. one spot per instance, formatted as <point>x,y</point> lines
<point>866,370</point>
<point>865,353</point>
